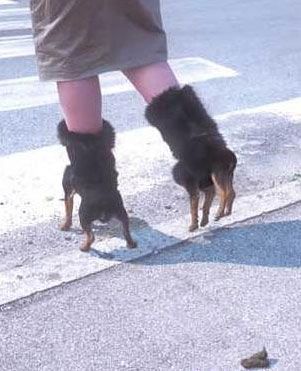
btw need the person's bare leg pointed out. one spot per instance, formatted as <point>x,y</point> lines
<point>152,80</point>
<point>80,102</point>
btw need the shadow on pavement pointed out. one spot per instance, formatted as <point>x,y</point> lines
<point>268,245</point>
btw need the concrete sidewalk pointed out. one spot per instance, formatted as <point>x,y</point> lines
<point>202,306</point>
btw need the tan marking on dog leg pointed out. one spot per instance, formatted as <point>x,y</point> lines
<point>194,211</point>
<point>209,196</point>
<point>230,200</point>
<point>65,226</point>
<point>221,189</point>
<point>88,241</point>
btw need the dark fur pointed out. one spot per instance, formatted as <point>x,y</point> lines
<point>92,174</point>
<point>204,161</point>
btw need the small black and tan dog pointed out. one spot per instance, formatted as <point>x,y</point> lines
<point>92,174</point>
<point>204,161</point>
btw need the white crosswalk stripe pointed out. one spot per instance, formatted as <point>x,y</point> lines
<point>29,92</point>
<point>14,25</point>
<point>290,109</point>
<point>20,179</point>
<point>14,12</point>
<point>8,2</point>
<point>16,46</point>
<point>13,17</point>
<point>40,185</point>
<point>50,272</point>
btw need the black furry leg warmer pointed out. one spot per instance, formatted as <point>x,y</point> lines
<point>180,117</point>
<point>88,152</point>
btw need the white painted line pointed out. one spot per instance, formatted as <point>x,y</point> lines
<point>15,25</point>
<point>189,70</point>
<point>53,271</point>
<point>290,109</point>
<point>8,2</point>
<point>28,92</point>
<point>133,149</point>
<point>14,12</point>
<point>19,177</point>
<point>16,46</point>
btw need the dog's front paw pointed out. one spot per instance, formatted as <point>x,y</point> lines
<point>204,222</point>
<point>131,244</point>
<point>85,247</point>
<point>65,226</point>
<point>193,227</point>
<point>219,216</point>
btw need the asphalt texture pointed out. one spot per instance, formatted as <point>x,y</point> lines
<point>202,305</point>
<point>258,39</point>
<point>249,135</point>
<point>198,306</point>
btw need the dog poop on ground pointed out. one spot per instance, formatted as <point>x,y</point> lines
<point>257,360</point>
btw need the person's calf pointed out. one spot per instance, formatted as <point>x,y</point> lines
<point>80,102</point>
<point>152,80</point>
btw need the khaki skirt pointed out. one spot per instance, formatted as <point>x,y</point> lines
<point>75,39</point>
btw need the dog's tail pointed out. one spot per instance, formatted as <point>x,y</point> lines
<point>105,139</point>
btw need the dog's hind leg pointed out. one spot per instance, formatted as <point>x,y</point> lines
<point>224,188</point>
<point>209,196</point>
<point>86,219</point>
<point>68,199</point>
<point>89,239</point>
<point>222,178</point>
<point>220,184</point>
<point>231,196</point>
<point>122,215</point>
<point>185,179</point>
<point>194,197</point>
<point>65,226</point>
